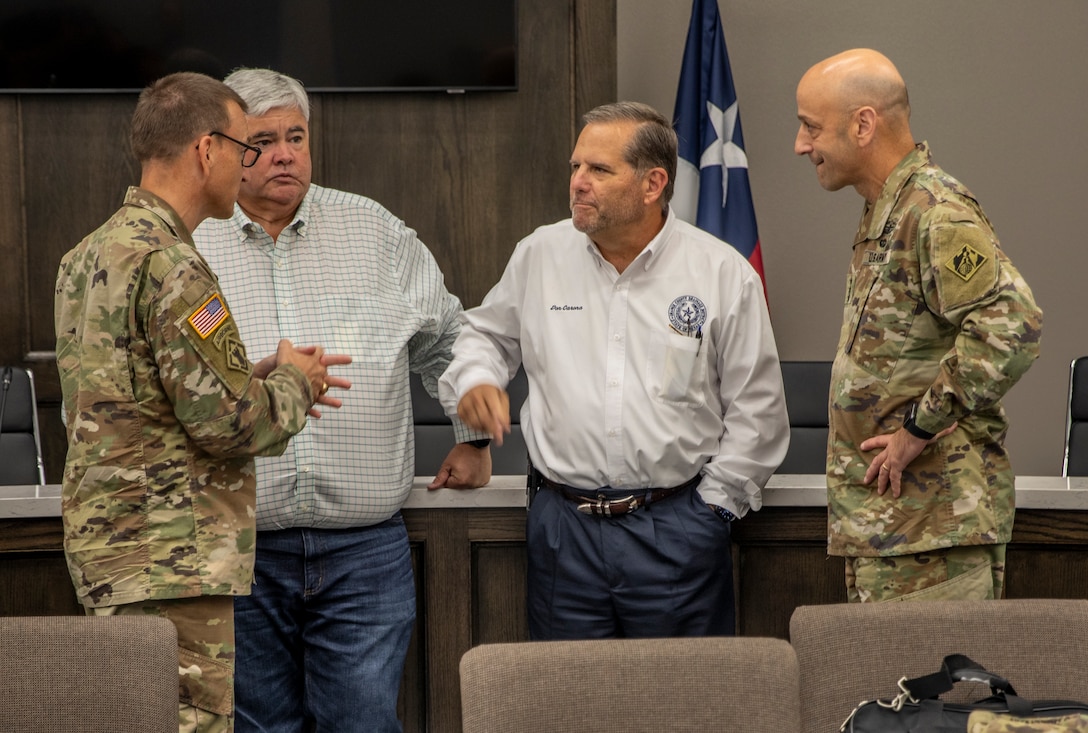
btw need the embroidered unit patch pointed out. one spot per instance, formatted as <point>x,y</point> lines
<point>966,262</point>
<point>236,354</point>
<point>209,316</point>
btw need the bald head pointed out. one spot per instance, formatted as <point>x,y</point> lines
<point>855,120</point>
<point>862,77</point>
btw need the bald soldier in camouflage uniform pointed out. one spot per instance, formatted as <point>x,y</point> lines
<point>938,325</point>
<point>164,411</point>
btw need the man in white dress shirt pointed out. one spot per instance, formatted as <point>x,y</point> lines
<point>655,412</point>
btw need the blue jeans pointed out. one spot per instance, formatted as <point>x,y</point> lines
<point>321,641</point>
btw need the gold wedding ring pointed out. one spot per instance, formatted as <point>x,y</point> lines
<point>884,467</point>
<point>324,387</point>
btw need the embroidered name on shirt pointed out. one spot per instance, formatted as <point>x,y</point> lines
<point>566,307</point>
<point>966,262</point>
<point>876,258</point>
<point>208,316</point>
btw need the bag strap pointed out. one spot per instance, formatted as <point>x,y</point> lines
<point>956,668</point>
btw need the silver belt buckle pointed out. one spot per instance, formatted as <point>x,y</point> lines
<point>604,508</point>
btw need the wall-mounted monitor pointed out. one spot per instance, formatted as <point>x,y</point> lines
<point>330,45</point>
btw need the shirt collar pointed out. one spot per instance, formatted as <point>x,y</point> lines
<point>299,223</point>
<point>876,215</point>
<point>136,196</point>
<point>650,253</point>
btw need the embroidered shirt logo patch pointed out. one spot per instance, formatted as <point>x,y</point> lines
<point>687,314</point>
<point>966,262</point>
<point>209,316</point>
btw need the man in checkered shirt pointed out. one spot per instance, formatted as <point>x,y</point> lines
<point>323,638</point>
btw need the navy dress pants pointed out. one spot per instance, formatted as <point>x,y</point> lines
<point>662,570</point>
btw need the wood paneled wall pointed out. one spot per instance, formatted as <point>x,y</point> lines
<point>472,173</point>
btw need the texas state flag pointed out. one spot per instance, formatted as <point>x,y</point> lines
<point>712,190</point>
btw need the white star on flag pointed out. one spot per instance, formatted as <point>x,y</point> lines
<point>723,151</point>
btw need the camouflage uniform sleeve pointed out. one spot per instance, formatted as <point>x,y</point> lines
<point>203,367</point>
<point>974,287</point>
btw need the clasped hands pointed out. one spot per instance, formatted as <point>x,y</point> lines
<point>314,363</point>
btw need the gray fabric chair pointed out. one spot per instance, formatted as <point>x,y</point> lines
<point>1076,424</point>
<point>807,384</point>
<point>20,444</point>
<point>434,432</point>
<point>631,686</point>
<point>853,652</point>
<point>80,674</point>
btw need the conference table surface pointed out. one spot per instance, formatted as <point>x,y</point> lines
<point>783,490</point>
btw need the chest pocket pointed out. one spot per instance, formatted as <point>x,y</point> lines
<point>675,369</point>
<point>880,314</point>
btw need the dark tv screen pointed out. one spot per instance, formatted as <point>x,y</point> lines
<point>329,45</point>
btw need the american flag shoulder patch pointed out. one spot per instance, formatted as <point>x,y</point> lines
<point>208,316</point>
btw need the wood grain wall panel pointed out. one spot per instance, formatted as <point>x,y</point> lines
<point>78,166</point>
<point>12,239</point>
<point>594,43</point>
<point>775,579</point>
<point>37,584</point>
<point>411,702</point>
<point>1046,571</point>
<point>498,602</point>
<point>444,573</point>
<point>471,173</point>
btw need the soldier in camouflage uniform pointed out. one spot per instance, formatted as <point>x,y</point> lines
<point>164,411</point>
<point>938,325</point>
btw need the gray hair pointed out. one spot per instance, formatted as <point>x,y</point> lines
<point>652,146</point>
<point>265,90</point>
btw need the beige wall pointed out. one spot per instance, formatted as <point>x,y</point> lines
<point>997,88</point>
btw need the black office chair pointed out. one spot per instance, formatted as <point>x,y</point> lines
<point>807,384</point>
<point>20,445</point>
<point>1076,423</point>
<point>434,432</point>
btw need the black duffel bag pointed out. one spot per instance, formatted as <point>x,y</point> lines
<point>918,709</point>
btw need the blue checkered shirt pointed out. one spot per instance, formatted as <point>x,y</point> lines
<point>347,275</point>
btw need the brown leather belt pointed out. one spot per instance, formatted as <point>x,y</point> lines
<point>602,506</point>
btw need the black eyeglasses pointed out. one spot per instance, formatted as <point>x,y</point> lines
<point>250,153</point>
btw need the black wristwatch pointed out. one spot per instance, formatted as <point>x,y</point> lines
<point>912,428</point>
<point>480,443</point>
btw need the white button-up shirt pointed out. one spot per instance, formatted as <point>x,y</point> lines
<point>636,379</point>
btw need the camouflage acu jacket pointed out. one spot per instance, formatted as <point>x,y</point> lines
<point>935,315</point>
<point>163,415</point>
